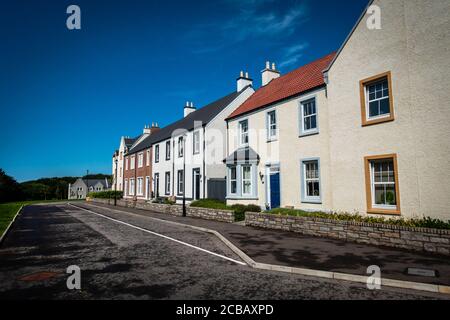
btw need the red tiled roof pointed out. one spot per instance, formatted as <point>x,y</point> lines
<point>293,83</point>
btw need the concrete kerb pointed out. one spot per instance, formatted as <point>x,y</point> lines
<point>10,225</point>
<point>301,271</point>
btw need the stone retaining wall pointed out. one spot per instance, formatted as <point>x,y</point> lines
<point>211,214</point>
<point>418,239</point>
<point>176,210</point>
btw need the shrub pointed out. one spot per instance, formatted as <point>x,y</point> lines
<point>253,208</point>
<point>106,194</point>
<point>418,223</point>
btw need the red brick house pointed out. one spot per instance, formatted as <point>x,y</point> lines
<point>137,169</point>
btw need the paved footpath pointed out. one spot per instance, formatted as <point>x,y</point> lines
<point>295,250</point>
<point>143,258</point>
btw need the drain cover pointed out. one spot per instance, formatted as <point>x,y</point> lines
<point>38,276</point>
<point>421,272</point>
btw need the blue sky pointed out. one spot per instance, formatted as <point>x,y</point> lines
<point>66,97</point>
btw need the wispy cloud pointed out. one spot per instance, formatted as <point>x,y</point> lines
<point>293,54</point>
<point>252,19</point>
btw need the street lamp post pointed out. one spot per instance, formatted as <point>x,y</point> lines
<point>184,175</point>
<point>115,183</point>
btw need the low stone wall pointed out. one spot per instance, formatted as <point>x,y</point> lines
<point>418,239</point>
<point>211,214</point>
<point>176,210</point>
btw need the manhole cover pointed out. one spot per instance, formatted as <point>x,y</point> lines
<point>38,276</point>
<point>422,272</point>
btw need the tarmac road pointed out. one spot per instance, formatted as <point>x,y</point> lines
<point>121,261</point>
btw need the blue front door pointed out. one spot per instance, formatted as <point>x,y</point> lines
<point>275,190</point>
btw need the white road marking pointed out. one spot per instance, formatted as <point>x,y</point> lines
<point>162,236</point>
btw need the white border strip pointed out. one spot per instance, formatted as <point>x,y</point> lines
<point>162,236</point>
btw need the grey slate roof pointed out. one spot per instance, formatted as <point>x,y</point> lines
<point>242,155</point>
<point>129,141</point>
<point>93,182</point>
<point>203,115</point>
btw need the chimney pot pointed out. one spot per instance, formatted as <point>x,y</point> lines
<point>269,73</point>
<point>189,108</point>
<point>243,81</point>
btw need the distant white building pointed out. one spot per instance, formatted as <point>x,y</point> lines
<point>117,159</point>
<point>78,189</point>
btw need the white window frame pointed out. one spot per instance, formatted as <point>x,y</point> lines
<point>147,187</point>
<point>126,163</point>
<point>132,162</point>
<point>180,147</point>
<point>140,160</point>
<point>303,131</point>
<point>140,186</point>
<point>167,183</point>
<point>126,191</point>
<point>367,99</point>
<point>304,183</point>
<point>373,184</point>
<point>271,126</point>
<point>243,134</point>
<point>249,179</point>
<point>147,160</point>
<point>231,180</point>
<point>131,187</point>
<point>180,182</point>
<point>157,153</point>
<point>168,150</point>
<point>196,142</point>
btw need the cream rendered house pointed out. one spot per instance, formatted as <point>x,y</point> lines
<point>389,113</point>
<point>364,130</point>
<point>278,137</point>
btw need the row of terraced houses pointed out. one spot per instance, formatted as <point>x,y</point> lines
<point>364,129</point>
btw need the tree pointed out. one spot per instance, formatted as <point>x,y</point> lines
<point>10,190</point>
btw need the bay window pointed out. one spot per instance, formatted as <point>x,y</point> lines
<point>246,180</point>
<point>241,181</point>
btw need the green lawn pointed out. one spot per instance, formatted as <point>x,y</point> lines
<point>9,210</point>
